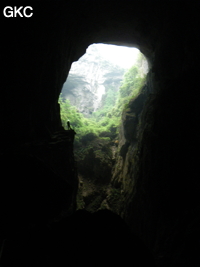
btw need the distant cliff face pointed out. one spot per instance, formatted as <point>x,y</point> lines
<point>90,78</point>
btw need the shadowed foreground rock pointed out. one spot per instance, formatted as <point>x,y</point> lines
<point>98,239</point>
<point>44,183</point>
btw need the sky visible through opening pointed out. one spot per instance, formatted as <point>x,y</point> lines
<point>93,88</point>
<point>119,55</point>
<point>122,56</point>
<point>91,77</point>
<point>93,83</point>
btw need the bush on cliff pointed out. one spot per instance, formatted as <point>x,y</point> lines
<point>107,118</point>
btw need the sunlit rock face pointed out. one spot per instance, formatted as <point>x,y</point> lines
<point>88,80</point>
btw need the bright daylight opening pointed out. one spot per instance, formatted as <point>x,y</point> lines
<point>98,86</point>
<point>98,89</point>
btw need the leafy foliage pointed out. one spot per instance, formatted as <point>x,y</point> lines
<point>107,118</point>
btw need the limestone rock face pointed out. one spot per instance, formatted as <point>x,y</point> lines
<point>89,79</point>
<point>122,173</point>
<point>95,160</point>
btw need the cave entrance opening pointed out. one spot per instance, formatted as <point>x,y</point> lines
<point>98,89</point>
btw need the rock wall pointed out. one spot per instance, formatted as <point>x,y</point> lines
<point>122,183</point>
<point>89,79</point>
<point>155,176</point>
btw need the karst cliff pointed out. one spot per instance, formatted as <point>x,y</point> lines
<point>89,79</point>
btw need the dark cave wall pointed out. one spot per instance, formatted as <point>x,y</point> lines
<point>36,56</point>
<point>44,46</point>
<point>163,205</point>
<point>31,59</point>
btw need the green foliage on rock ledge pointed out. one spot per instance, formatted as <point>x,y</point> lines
<point>87,129</point>
<point>96,141</point>
<point>105,121</point>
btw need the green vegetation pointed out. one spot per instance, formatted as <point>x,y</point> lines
<point>105,121</point>
<point>95,139</point>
